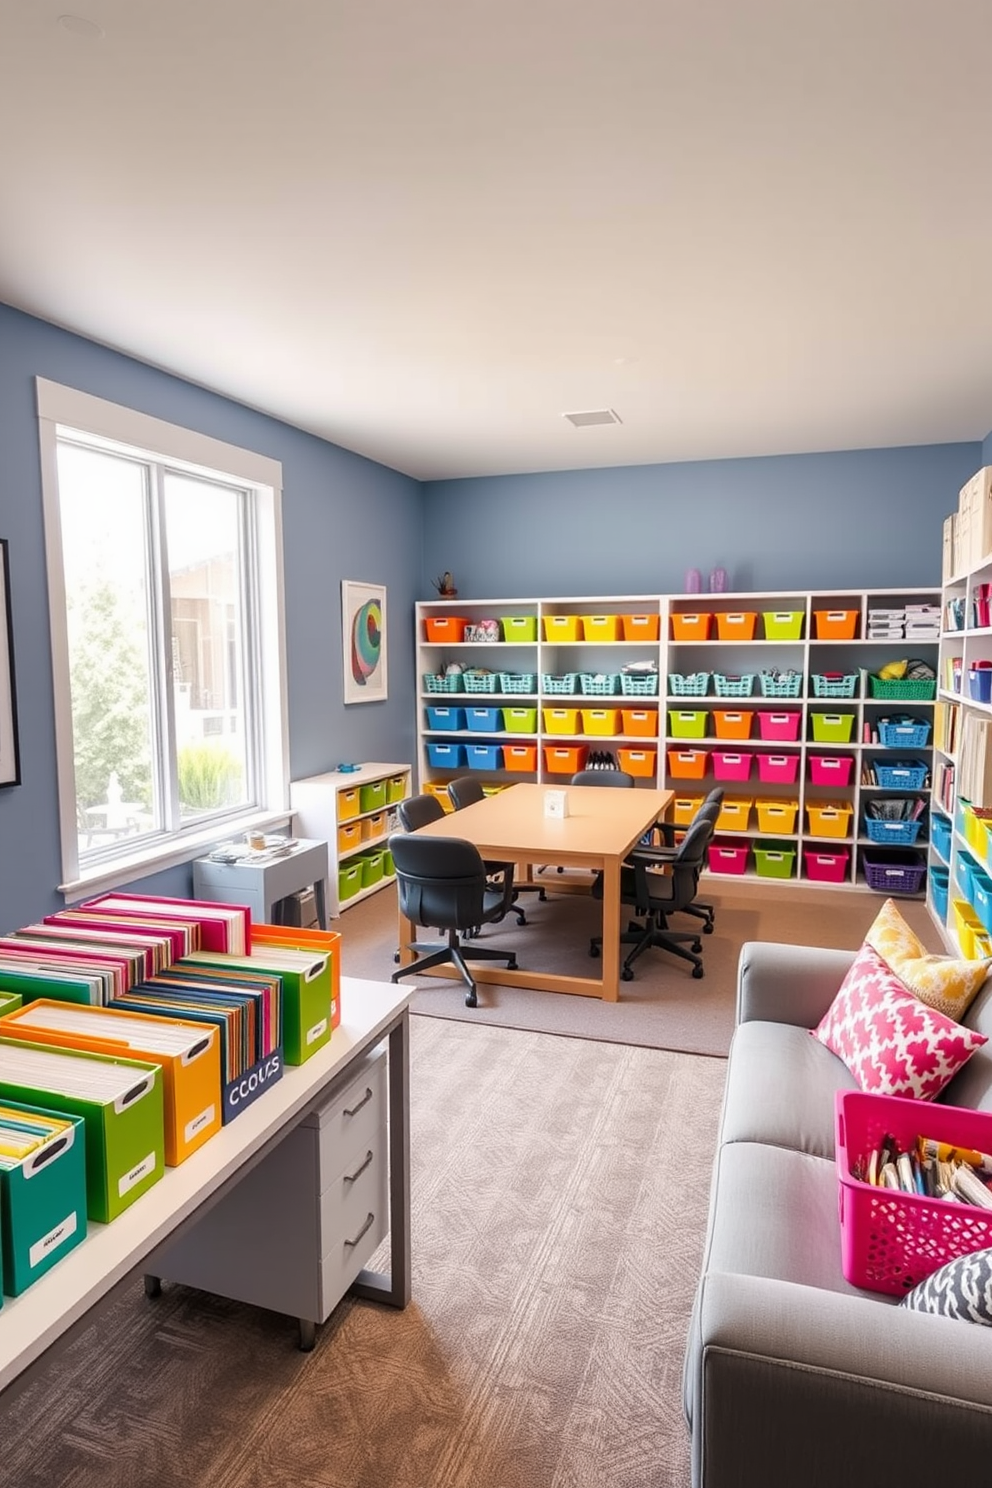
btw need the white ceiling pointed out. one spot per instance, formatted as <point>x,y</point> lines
<point>425,229</point>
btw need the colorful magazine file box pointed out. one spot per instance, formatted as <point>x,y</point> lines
<point>187,1053</point>
<point>120,1101</point>
<point>328,941</point>
<point>42,1198</point>
<point>306,977</point>
<point>9,1003</point>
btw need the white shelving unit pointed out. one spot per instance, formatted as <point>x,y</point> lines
<point>448,746</point>
<point>354,813</point>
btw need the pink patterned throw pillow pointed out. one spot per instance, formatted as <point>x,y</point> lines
<point>893,1043</point>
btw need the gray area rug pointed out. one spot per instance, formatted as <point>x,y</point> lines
<point>554,1261</point>
<point>664,1007</point>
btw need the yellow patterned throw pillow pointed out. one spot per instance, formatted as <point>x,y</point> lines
<point>942,982</point>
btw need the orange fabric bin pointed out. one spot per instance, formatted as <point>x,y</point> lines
<point>519,756</point>
<point>564,759</point>
<point>835,625</point>
<point>641,627</point>
<point>446,627</point>
<point>637,761</point>
<point>691,626</point>
<point>687,763</point>
<point>736,625</point>
<point>640,721</point>
<point>732,725</point>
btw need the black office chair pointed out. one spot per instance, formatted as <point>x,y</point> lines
<point>603,777</point>
<point>442,882</point>
<point>656,895</point>
<point>466,791</point>
<point>710,807</point>
<point>419,811</point>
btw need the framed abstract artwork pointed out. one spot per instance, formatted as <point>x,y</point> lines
<point>363,624</point>
<point>10,766</point>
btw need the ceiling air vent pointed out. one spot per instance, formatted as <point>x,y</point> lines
<point>586,419</point>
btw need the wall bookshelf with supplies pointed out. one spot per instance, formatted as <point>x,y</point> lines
<point>354,812</point>
<point>782,698</point>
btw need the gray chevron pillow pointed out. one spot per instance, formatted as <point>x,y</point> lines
<point>961,1289</point>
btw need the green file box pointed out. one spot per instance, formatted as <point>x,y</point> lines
<point>9,1002</point>
<point>125,1137</point>
<point>42,1203</point>
<point>306,993</point>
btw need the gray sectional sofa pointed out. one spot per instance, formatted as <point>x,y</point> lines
<point>792,1375</point>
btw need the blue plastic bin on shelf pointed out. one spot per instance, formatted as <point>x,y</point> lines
<point>980,684</point>
<point>940,835</point>
<point>446,718</point>
<point>902,774</point>
<point>908,734</point>
<point>939,892</point>
<point>446,756</point>
<point>981,897</point>
<point>898,833</point>
<point>966,870</point>
<point>484,756</point>
<point>484,720</point>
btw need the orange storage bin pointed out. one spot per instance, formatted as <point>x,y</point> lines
<point>641,627</point>
<point>686,764</point>
<point>562,628</point>
<point>684,809</point>
<point>349,836</point>
<point>637,761</point>
<point>600,627</point>
<point>519,756</point>
<point>349,804</point>
<point>691,626</point>
<point>640,721</point>
<point>561,720</point>
<point>735,813</point>
<point>373,826</point>
<point>829,818</point>
<point>562,759</point>
<point>736,625</point>
<point>446,627</point>
<point>600,720</point>
<point>835,625</point>
<point>732,725</point>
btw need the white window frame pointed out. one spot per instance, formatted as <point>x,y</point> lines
<point>68,408</point>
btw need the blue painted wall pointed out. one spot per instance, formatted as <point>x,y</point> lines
<point>849,520</point>
<point>343,517</point>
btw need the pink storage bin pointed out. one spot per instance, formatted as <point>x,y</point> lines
<point>826,867</point>
<point>728,857</point>
<point>776,725</point>
<point>830,769</point>
<point>890,1240</point>
<point>731,766</point>
<point>778,769</point>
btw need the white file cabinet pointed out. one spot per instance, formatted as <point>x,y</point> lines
<point>296,1231</point>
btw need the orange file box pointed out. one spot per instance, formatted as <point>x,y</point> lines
<point>190,1077</point>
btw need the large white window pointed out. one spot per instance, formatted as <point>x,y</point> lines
<point>164,564</point>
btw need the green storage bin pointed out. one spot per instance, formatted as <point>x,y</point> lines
<point>349,879</point>
<point>774,859</point>
<point>388,866</point>
<point>372,797</point>
<point>42,1200</point>
<point>832,728</point>
<point>520,720</point>
<point>9,1002</point>
<point>519,627</point>
<point>371,864</point>
<point>783,625</point>
<point>395,789</point>
<point>687,723</point>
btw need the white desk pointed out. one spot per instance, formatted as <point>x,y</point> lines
<point>35,1321</point>
<point>261,885</point>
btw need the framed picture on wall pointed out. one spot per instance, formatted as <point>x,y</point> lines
<point>363,617</point>
<point>10,765</point>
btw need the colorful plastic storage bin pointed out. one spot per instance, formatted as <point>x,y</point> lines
<point>733,684</point>
<point>835,625</point>
<point>449,719</point>
<point>939,891</point>
<point>735,813</point>
<point>834,684</point>
<point>600,627</point>
<point>372,867</point>
<point>892,1240</point>
<point>687,723</point>
<point>560,759</point>
<point>446,756</point>
<point>780,684</point>
<point>519,720</point>
<point>519,756</point>
<point>902,774</point>
<point>731,766</point>
<point>728,857</point>
<point>349,803</point>
<point>438,682</point>
<point>559,684</point>
<point>782,727</point>
<point>736,625</point>
<point>919,688</point>
<point>483,720</point>
<point>832,728</point>
<point>519,627</point>
<point>641,627</point>
<point>831,769</point>
<point>825,867</point>
<point>774,861</point>
<point>561,720</point>
<point>599,684</point>
<point>484,756</point>
<point>601,721</point>
<point>732,725</point>
<point>349,836</point>
<point>911,734</point>
<point>395,789</point>
<point>562,628</point>
<point>687,764</point>
<point>777,816</point>
<point>829,818</point>
<point>684,808</point>
<point>349,879</point>
<point>688,684</point>
<point>642,722</point>
<point>450,628</point>
<point>783,625</point>
<point>778,769</point>
<point>637,761</point>
<point>940,835</point>
<point>373,826</point>
<point>518,682</point>
<point>896,833</point>
<point>691,625</point>
<point>895,873</point>
<point>372,795</point>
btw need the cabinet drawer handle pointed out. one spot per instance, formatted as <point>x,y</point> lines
<point>363,1102</point>
<point>350,1177</point>
<point>365,1228</point>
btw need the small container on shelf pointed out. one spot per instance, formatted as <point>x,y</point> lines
<point>774,859</point>
<point>687,723</point>
<point>483,720</point>
<point>559,684</point>
<point>561,720</point>
<point>640,721</point>
<point>902,775</point>
<point>448,720</point>
<point>831,769</point>
<point>691,684</point>
<point>519,756</point>
<point>599,684</point>
<point>520,720</point>
<point>484,631</point>
<point>638,762</point>
<point>921,689</point>
<point>732,724</point>
<point>518,682</point>
<point>691,625</point>
<point>396,787</point>
<point>639,684</point>
<point>735,813</point>
<point>450,628</point>
<point>834,684</point>
<point>778,769</point>
<point>560,759</point>
<point>736,625</point>
<point>940,891</point>
<point>600,720</point>
<point>349,836</point>
<point>781,727</point>
<point>829,818</point>
<point>522,628</point>
<point>898,873</point>
<point>940,835</point>
<point>726,685</point>
<point>446,756</point>
<point>476,679</point>
<point>372,795</point>
<point>600,627</point>
<point>832,728</point>
<point>775,683</point>
<point>687,764</point>
<point>896,833</point>
<point>349,803</point>
<point>728,857</point>
<point>906,733</point>
<point>484,756</point>
<point>442,682</point>
<point>684,808</point>
<point>373,826</point>
<point>777,816</point>
<point>562,628</point>
<point>783,625</point>
<point>825,867</point>
<point>731,766</point>
<point>835,625</point>
<point>641,627</point>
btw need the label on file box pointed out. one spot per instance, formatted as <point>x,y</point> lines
<point>42,1249</point>
<point>313,1034</point>
<point>134,1175</point>
<point>199,1122</point>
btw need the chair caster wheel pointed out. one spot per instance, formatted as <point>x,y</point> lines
<point>626,975</point>
<point>707,929</point>
<point>521,919</point>
<point>396,957</point>
<point>470,999</point>
<point>697,972</point>
<point>697,946</point>
<point>594,951</point>
<point>511,965</point>
<point>542,897</point>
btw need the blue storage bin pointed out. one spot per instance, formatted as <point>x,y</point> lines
<point>905,735</point>
<point>966,870</point>
<point>446,756</point>
<point>939,892</point>
<point>484,756</point>
<point>446,718</point>
<point>902,774</point>
<point>940,835</point>
<point>899,833</point>
<point>484,720</point>
<point>981,897</point>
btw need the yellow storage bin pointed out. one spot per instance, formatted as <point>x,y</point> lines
<point>600,627</point>
<point>395,789</point>
<point>734,814</point>
<point>966,925</point>
<point>349,836</point>
<point>600,720</point>
<point>829,819</point>
<point>562,628</point>
<point>561,720</point>
<point>684,808</point>
<point>349,804</point>
<point>777,816</point>
<point>434,788</point>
